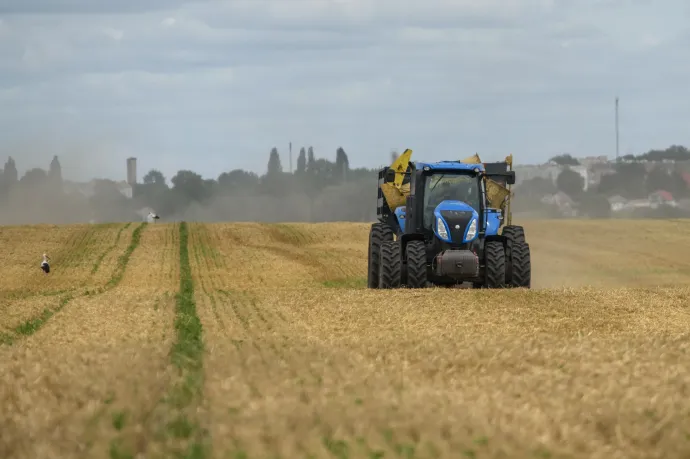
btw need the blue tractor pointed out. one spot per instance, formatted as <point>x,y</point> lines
<point>438,224</point>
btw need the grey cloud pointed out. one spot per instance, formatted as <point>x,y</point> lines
<point>233,79</point>
<point>64,7</point>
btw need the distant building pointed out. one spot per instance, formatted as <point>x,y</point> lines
<point>132,171</point>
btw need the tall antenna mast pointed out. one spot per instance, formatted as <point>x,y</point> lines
<point>617,137</point>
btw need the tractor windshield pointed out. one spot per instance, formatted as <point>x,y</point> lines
<point>449,186</point>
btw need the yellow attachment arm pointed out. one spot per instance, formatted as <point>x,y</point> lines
<point>400,167</point>
<point>474,159</point>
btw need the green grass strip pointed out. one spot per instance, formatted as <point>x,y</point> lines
<point>187,356</point>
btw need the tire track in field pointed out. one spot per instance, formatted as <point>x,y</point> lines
<point>325,261</point>
<point>105,253</point>
<point>249,353</point>
<point>32,325</point>
<point>138,411</point>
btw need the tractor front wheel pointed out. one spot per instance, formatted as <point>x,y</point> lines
<point>416,264</point>
<point>390,266</point>
<point>495,270</point>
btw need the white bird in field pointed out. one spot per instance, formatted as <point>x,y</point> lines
<point>45,266</point>
<point>151,217</point>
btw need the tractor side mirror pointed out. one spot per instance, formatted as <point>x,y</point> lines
<point>510,177</point>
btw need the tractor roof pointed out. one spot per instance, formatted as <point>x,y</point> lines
<point>450,165</point>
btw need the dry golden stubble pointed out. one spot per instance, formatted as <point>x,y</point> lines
<point>93,377</point>
<point>609,253</point>
<point>551,373</point>
<point>299,362</point>
<point>603,376</point>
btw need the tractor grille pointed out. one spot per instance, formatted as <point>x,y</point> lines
<point>457,218</point>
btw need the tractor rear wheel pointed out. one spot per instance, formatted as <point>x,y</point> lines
<point>495,260</point>
<point>416,264</point>
<point>378,234</point>
<point>514,235</point>
<point>522,265</point>
<point>390,265</point>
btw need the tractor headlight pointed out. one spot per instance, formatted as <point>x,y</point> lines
<point>472,230</point>
<point>441,228</point>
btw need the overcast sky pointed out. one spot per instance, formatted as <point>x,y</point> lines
<point>214,85</point>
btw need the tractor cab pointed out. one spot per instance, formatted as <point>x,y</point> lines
<point>447,202</point>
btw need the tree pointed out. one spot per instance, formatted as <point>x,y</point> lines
<point>274,165</point>
<point>673,153</point>
<point>565,160</point>
<point>9,174</point>
<point>311,159</point>
<point>342,164</point>
<point>55,173</point>
<point>153,192</point>
<point>154,177</point>
<point>302,161</point>
<point>627,180</point>
<point>108,203</point>
<point>238,181</point>
<point>536,187</point>
<point>570,182</point>
<point>35,178</point>
<point>190,185</point>
<point>658,179</point>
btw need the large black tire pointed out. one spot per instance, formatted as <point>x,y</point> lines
<point>495,259</point>
<point>514,234</point>
<point>390,265</point>
<point>416,264</point>
<point>522,266</point>
<point>378,234</point>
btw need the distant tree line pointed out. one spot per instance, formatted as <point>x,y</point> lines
<point>319,189</point>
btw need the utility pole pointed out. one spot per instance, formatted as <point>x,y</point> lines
<point>291,157</point>
<point>617,137</point>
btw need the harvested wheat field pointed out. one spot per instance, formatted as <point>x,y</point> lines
<point>260,341</point>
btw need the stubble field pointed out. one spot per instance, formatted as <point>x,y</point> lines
<point>260,341</point>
